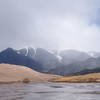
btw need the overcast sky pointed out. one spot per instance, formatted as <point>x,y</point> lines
<point>51,24</point>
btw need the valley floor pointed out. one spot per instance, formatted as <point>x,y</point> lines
<point>50,91</point>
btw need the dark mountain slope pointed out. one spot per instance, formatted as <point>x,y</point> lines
<point>10,56</point>
<point>87,71</point>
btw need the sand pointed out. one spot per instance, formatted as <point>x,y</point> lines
<point>14,73</point>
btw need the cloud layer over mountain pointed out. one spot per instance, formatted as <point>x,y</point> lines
<point>51,24</point>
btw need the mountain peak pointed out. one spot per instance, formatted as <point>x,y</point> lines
<point>8,50</point>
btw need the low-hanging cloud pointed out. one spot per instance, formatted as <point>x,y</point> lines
<point>51,24</point>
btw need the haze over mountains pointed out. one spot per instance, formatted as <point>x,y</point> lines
<point>67,62</point>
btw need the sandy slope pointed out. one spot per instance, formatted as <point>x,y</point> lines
<point>95,77</point>
<point>13,73</point>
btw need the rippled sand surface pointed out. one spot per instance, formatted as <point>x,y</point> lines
<point>50,91</point>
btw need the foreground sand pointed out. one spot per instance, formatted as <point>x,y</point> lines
<point>13,73</point>
<point>95,77</point>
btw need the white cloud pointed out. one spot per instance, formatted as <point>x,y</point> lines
<point>52,24</point>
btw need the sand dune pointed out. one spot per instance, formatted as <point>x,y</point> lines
<point>14,73</point>
<point>88,78</point>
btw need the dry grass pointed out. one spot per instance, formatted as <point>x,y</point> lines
<point>95,77</point>
<point>13,73</point>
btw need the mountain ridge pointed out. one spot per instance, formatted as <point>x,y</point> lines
<point>67,62</point>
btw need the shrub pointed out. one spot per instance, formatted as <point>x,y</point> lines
<point>26,80</point>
